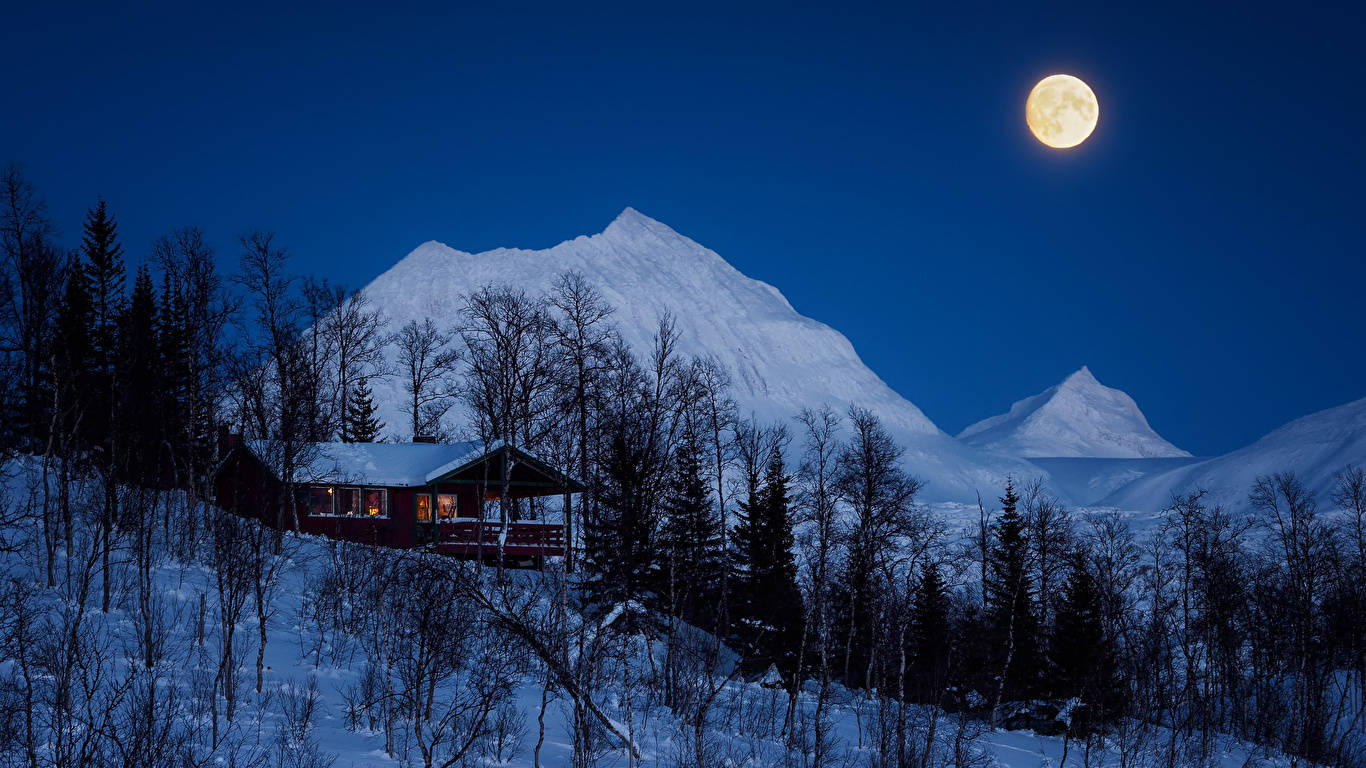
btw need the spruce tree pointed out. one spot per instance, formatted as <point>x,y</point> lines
<point>104,276</point>
<point>71,366</point>
<point>929,638</point>
<point>691,555</point>
<point>102,267</point>
<point>768,615</point>
<point>619,535</point>
<point>173,350</point>
<point>1082,663</point>
<point>1010,605</point>
<point>138,399</point>
<point>361,425</point>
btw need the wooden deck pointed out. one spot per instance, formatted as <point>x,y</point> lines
<point>479,539</point>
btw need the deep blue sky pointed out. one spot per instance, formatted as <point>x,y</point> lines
<point>1202,251</point>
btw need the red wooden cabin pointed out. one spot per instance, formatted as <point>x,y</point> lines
<point>403,495</point>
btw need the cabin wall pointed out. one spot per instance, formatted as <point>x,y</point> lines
<point>243,487</point>
<point>396,530</point>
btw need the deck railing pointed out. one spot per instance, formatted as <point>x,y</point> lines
<point>480,538</point>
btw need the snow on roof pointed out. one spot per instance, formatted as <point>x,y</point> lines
<point>460,461</point>
<point>387,464</point>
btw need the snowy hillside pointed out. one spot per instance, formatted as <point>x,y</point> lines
<point>1079,418</point>
<point>780,360</point>
<point>318,646</point>
<point>1316,447</point>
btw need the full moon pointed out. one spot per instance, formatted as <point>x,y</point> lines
<point>1062,111</point>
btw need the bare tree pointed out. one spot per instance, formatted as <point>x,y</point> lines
<point>230,556</point>
<point>202,311</point>
<point>32,271</point>
<point>266,562</point>
<point>1304,550</point>
<point>1350,496</point>
<point>1051,541</point>
<point>355,330</point>
<point>428,365</point>
<point>512,367</point>
<point>585,339</point>
<point>282,410</point>
<point>317,358</point>
<point>817,501</point>
<point>870,479</point>
<point>718,420</point>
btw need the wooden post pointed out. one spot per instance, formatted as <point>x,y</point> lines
<point>568,531</point>
<point>432,510</point>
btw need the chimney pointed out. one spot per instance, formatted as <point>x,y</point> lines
<point>424,439</point>
<point>227,440</point>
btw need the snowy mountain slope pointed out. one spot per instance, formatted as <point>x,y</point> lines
<point>1316,447</point>
<point>780,360</point>
<point>1086,481</point>
<point>1079,418</point>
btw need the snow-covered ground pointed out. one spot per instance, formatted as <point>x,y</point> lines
<point>306,659</point>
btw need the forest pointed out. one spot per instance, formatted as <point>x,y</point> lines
<point>740,593</point>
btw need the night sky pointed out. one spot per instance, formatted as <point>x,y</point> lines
<point>1203,250</point>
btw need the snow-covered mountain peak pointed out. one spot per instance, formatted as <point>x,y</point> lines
<point>1080,379</point>
<point>631,221</point>
<point>633,229</point>
<point>1079,417</point>
<point>779,360</point>
<point>642,242</point>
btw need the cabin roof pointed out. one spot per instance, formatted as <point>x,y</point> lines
<point>391,464</point>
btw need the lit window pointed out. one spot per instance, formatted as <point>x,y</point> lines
<point>319,501</point>
<point>376,502</point>
<point>349,503</point>
<point>446,506</point>
<point>424,507</point>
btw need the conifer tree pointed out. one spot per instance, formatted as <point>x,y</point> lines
<point>361,424</point>
<point>690,543</point>
<point>102,266</point>
<point>104,277</point>
<point>71,365</point>
<point>1082,663</point>
<point>138,369</point>
<point>768,617</point>
<point>929,638</point>
<point>1010,607</point>
<point>619,538</point>
<point>173,350</point>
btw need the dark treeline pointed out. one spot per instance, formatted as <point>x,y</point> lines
<point>801,548</point>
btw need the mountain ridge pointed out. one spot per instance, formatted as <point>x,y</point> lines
<point>1315,447</point>
<point>1090,441</point>
<point>780,360</point>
